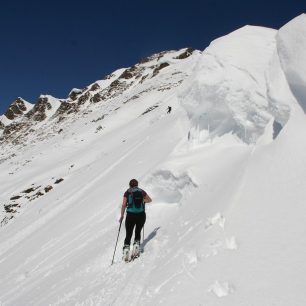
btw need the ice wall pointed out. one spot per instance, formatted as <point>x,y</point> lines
<point>291,46</point>
<point>227,91</point>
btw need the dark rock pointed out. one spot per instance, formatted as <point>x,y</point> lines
<point>16,109</point>
<point>132,98</point>
<point>58,181</point>
<point>6,219</point>
<point>74,94</point>
<point>114,89</point>
<point>149,109</point>
<point>163,65</point>
<point>96,98</point>
<point>158,68</point>
<point>143,78</point>
<point>115,84</point>
<point>29,190</point>
<point>185,54</point>
<point>37,195</point>
<point>98,119</point>
<point>65,109</point>
<point>146,59</point>
<point>38,112</point>
<point>13,128</point>
<point>99,128</point>
<point>48,188</point>
<point>161,54</point>
<point>109,76</point>
<point>11,208</point>
<point>126,75</point>
<point>94,87</point>
<point>85,97</point>
<point>153,57</point>
<point>129,73</point>
<point>15,198</point>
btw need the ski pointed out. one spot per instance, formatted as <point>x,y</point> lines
<point>136,251</point>
<point>131,255</point>
<point>126,254</point>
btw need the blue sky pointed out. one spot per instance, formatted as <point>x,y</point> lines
<point>49,47</point>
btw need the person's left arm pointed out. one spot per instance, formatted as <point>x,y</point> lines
<point>146,198</point>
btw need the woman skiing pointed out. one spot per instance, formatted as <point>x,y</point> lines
<point>134,200</point>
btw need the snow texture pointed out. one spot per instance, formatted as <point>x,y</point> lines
<point>226,170</point>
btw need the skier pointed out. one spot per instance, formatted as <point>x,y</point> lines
<point>134,200</point>
<point>169,109</point>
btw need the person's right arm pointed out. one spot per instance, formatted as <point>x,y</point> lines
<point>123,207</point>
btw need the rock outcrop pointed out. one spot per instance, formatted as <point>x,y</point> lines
<point>18,108</point>
<point>22,118</point>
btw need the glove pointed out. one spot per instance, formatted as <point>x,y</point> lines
<point>121,218</point>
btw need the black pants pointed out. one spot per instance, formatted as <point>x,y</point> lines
<point>131,221</point>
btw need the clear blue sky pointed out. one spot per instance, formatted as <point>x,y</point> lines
<point>49,47</point>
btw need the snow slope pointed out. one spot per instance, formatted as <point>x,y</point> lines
<point>226,170</point>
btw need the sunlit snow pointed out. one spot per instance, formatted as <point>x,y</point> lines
<point>226,170</point>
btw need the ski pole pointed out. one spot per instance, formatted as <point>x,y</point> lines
<point>116,242</point>
<point>143,234</point>
<point>142,239</point>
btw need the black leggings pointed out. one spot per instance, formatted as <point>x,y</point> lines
<point>130,221</point>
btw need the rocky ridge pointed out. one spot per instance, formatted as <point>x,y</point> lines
<point>49,114</point>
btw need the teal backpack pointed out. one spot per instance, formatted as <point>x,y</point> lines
<point>135,200</point>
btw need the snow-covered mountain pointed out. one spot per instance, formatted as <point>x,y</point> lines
<point>23,121</point>
<point>226,170</point>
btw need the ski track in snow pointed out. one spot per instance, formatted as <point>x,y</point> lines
<point>69,198</point>
<point>226,226</point>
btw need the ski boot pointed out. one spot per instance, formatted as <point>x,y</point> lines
<point>126,253</point>
<point>136,249</point>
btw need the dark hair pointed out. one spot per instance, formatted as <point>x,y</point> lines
<point>133,183</point>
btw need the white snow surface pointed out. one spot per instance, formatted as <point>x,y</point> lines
<point>226,170</point>
<point>27,104</point>
<point>4,120</point>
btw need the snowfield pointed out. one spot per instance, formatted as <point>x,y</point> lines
<point>226,170</point>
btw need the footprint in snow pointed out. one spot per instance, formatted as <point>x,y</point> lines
<point>221,289</point>
<point>216,219</point>
<point>227,244</point>
<point>230,243</point>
